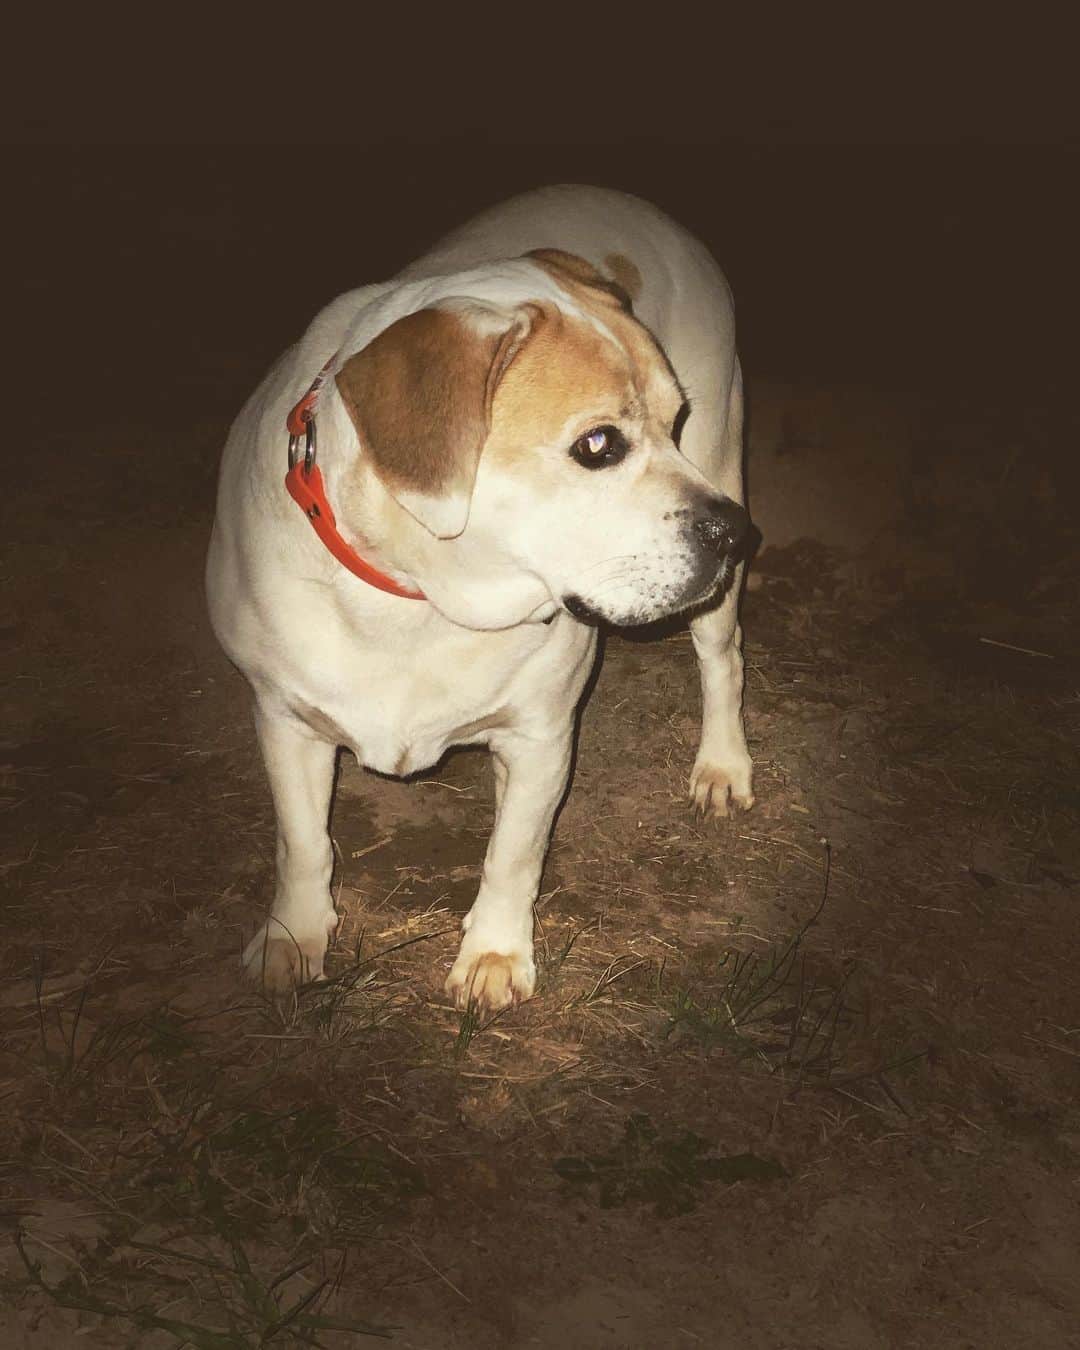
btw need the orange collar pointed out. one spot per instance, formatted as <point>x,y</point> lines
<point>304,484</point>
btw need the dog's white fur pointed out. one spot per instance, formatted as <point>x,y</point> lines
<point>493,656</point>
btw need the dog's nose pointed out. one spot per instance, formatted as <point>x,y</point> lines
<point>723,527</point>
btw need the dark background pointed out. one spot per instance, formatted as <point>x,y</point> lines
<point>892,197</point>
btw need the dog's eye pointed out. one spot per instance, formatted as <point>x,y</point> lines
<point>599,447</point>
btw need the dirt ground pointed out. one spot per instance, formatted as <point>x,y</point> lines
<point>805,1078</point>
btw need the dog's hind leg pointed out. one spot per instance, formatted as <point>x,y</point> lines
<point>290,946</point>
<point>723,773</point>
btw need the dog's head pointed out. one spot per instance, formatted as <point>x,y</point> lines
<point>541,432</point>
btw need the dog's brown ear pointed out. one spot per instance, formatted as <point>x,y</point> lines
<point>420,397</point>
<point>622,286</point>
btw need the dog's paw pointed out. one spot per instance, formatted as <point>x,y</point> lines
<point>278,959</point>
<point>715,788</point>
<point>491,980</point>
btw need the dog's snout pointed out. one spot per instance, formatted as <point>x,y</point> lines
<point>723,526</point>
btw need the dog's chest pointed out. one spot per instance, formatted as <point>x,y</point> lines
<point>399,707</point>
<point>405,728</point>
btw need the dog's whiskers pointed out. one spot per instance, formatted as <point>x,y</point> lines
<point>608,562</point>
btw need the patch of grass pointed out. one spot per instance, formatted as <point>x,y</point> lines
<point>250,1310</point>
<point>354,1000</point>
<point>468,1025</point>
<point>667,1172</point>
<point>767,1006</point>
<point>273,1144</point>
<point>552,966</point>
<point>224,1171</point>
<point>615,970</point>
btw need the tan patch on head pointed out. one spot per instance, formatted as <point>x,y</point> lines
<point>624,273</point>
<point>569,371</point>
<point>569,269</point>
<point>609,301</point>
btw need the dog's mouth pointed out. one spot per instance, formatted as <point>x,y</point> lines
<point>715,589</point>
<point>574,605</point>
<point>636,618</point>
<point>696,598</point>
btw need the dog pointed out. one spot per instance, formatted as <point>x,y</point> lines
<point>432,500</point>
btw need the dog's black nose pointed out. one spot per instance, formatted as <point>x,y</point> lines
<point>723,526</point>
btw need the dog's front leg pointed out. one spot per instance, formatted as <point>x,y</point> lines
<point>723,770</point>
<point>290,946</point>
<point>494,967</point>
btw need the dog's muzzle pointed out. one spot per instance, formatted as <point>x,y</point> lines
<point>715,533</point>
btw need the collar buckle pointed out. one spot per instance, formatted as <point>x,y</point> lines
<point>301,422</point>
<point>311,445</point>
<point>304,484</point>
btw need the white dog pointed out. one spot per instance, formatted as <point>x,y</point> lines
<point>504,456</point>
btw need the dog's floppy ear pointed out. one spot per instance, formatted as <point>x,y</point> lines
<point>420,397</point>
<point>622,286</point>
